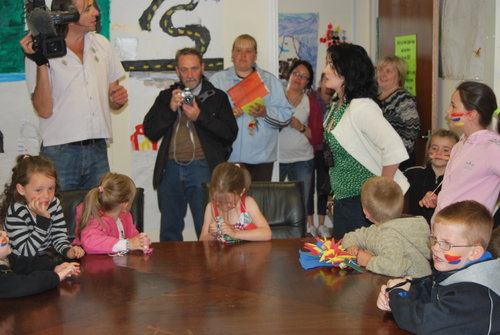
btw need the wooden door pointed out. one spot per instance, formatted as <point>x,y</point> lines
<point>421,18</point>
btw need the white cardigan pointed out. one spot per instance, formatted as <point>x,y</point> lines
<point>367,136</point>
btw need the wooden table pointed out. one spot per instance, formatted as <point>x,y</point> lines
<point>196,288</point>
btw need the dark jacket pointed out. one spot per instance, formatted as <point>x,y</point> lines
<point>216,127</point>
<point>27,276</point>
<point>422,180</point>
<point>453,302</point>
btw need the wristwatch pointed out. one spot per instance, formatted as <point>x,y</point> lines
<point>303,129</point>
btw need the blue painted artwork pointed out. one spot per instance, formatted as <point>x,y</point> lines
<point>298,39</point>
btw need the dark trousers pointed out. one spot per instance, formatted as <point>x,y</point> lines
<point>348,216</point>
<point>319,178</point>
<point>260,172</point>
<point>180,187</point>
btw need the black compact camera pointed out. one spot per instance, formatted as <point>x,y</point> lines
<point>187,96</point>
<point>42,24</point>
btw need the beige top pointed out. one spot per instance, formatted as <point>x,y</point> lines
<point>185,144</point>
<point>399,246</point>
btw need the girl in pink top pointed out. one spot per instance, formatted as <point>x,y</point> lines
<point>105,224</point>
<point>473,172</point>
<point>232,216</point>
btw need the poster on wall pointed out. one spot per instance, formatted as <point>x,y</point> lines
<point>298,36</point>
<point>11,32</point>
<point>471,39</point>
<point>148,33</point>
<point>406,48</point>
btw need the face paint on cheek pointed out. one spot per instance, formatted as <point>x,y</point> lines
<point>446,157</point>
<point>453,259</point>
<point>456,118</point>
<point>4,242</point>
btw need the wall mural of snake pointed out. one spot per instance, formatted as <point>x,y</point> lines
<point>199,34</point>
<point>196,32</point>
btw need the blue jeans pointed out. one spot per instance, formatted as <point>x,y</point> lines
<point>78,167</point>
<point>180,186</point>
<point>299,171</point>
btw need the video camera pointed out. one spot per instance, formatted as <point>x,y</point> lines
<point>41,22</point>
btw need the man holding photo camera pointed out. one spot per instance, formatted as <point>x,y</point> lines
<point>197,125</point>
<point>72,95</point>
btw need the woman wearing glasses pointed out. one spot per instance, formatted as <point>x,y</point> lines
<point>296,151</point>
<point>362,141</point>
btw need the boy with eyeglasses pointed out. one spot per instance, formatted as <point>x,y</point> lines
<point>462,295</point>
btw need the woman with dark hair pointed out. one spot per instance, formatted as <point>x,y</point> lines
<point>362,142</point>
<point>473,172</point>
<point>296,151</point>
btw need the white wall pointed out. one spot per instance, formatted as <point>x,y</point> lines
<point>490,52</point>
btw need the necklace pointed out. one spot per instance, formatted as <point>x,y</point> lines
<point>297,99</point>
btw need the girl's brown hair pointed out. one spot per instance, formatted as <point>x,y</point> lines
<point>479,97</point>
<point>229,178</point>
<point>26,166</point>
<point>114,189</point>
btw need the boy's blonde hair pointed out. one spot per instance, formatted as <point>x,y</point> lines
<point>475,217</point>
<point>440,133</point>
<point>383,198</point>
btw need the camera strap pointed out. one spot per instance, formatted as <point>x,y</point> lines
<point>205,95</point>
<point>189,126</point>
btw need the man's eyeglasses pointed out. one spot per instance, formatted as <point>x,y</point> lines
<point>444,245</point>
<point>301,76</point>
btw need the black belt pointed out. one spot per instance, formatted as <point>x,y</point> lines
<point>92,141</point>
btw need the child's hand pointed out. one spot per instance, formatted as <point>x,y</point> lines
<point>363,257</point>
<point>383,299</point>
<point>139,242</point>
<point>213,228</point>
<point>39,207</point>
<point>146,240</point>
<point>227,229</point>
<point>429,200</point>
<point>392,283</point>
<point>66,270</point>
<point>75,252</point>
<point>353,250</point>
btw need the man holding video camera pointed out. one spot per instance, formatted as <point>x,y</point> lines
<point>196,123</point>
<point>72,95</point>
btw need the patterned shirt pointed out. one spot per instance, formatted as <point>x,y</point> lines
<point>29,236</point>
<point>347,175</point>
<point>400,109</point>
<point>244,222</point>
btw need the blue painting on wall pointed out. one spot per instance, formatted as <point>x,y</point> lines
<point>298,39</point>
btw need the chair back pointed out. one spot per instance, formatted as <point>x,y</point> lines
<point>281,203</point>
<point>72,198</point>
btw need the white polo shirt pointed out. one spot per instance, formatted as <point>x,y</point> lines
<point>79,92</point>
